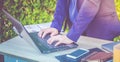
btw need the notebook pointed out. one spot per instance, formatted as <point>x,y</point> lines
<point>34,40</point>
<point>98,57</point>
<point>109,46</point>
<point>92,51</point>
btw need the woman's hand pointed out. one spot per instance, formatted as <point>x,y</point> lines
<point>61,39</point>
<point>51,31</point>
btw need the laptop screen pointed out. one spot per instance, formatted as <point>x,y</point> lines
<point>20,30</point>
<point>14,22</point>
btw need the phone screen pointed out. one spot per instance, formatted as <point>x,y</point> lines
<point>77,53</point>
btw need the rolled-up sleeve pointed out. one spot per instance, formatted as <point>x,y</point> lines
<point>59,15</point>
<point>86,14</point>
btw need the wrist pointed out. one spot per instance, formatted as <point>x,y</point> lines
<point>70,41</point>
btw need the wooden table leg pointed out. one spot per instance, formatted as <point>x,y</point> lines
<point>1,58</point>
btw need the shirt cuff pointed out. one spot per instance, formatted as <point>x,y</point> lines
<point>55,25</point>
<point>74,36</point>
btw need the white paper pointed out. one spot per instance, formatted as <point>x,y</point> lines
<point>36,27</point>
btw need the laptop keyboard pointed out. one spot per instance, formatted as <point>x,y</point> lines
<point>43,41</point>
<point>47,48</point>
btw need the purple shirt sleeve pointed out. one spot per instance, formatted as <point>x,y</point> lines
<point>86,14</point>
<point>59,15</point>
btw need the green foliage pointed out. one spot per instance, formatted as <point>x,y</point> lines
<point>31,11</point>
<point>28,12</point>
<point>117,3</point>
<point>117,39</point>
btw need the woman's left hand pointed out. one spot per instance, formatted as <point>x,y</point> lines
<point>61,39</point>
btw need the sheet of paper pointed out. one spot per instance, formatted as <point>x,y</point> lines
<point>36,27</point>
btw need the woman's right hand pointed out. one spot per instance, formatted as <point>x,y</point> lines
<point>51,31</point>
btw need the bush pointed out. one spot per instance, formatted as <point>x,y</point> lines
<point>117,4</point>
<point>28,12</point>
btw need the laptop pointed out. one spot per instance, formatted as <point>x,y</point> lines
<point>34,40</point>
<point>109,46</point>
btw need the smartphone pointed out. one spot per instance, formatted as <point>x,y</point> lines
<point>78,53</point>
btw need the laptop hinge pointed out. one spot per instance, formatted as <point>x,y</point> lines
<point>16,31</point>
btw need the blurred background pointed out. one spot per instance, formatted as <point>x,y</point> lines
<point>31,12</point>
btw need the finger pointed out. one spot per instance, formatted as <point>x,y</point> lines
<point>53,34</point>
<point>58,43</point>
<point>40,33</point>
<point>45,33</point>
<point>52,39</point>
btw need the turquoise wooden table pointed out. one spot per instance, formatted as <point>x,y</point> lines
<point>18,50</point>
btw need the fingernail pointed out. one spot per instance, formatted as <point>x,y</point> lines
<point>42,36</point>
<point>39,35</point>
<point>56,45</point>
